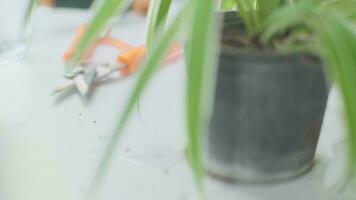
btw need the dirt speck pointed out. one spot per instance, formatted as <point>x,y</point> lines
<point>183,197</point>
<point>166,171</point>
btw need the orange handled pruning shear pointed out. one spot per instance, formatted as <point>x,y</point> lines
<point>127,62</point>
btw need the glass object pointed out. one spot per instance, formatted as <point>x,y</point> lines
<point>15,27</point>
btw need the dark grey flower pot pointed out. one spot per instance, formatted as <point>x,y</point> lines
<point>267,116</point>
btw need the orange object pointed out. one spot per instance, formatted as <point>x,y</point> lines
<point>78,34</point>
<point>49,3</point>
<point>118,44</point>
<point>141,6</point>
<point>130,57</point>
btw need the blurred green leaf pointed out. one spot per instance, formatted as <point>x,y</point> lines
<point>326,20</point>
<point>27,20</point>
<point>267,7</point>
<point>278,22</point>
<point>94,28</point>
<point>335,34</point>
<point>248,11</point>
<point>148,70</point>
<point>227,5</point>
<point>346,7</point>
<point>199,49</point>
<point>338,42</point>
<point>157,16</point>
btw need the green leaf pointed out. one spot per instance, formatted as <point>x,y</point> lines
<point>333,27</point>
<point>244,11</point>
<point>147,72</point>
<point>227,5</point>
<point>199,51</point>
<point>27,20</point>
<point>277,22</point>
<point>157,16</point>
<point>94,28</point>
<point>338,42</point>
<point>345,7</point>
<point>267,7</point>
<point>247,9</point>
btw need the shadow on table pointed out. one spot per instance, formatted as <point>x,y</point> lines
<point>307,187</point>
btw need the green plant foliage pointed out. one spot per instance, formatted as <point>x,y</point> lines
<point>157,16</point>
<point>27,21</point>
<point>227,5</point>
<point>199,49</point>
<point>338,43</point>
<point>346,7</point>
<point>248,12</point>
<point>96,25</point>
<point>295,16</point>
<point>266,7</point>
<point>254,12</point>
<point>148,70</point>
<point>329,26</point>
<point>334,30</point>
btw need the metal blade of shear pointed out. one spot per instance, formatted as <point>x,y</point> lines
<point>83,82</point>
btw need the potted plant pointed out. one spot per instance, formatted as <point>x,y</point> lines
<point>268,109</point>
<point>271,90</point>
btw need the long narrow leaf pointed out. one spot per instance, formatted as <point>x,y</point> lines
<point>277,22</point>
<point>267,7</point>
<point>94,28</point>
<point>27,20</point>
<point>227,4</point>
<point>156,19</point>
<point>338,40</point>
<point>331,24</point>
<point>149,69</point>
<point>198,52</point>
<point>346,7</point>
<point>247,12</point>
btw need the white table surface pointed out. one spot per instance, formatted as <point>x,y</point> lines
<point>50,147</point>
